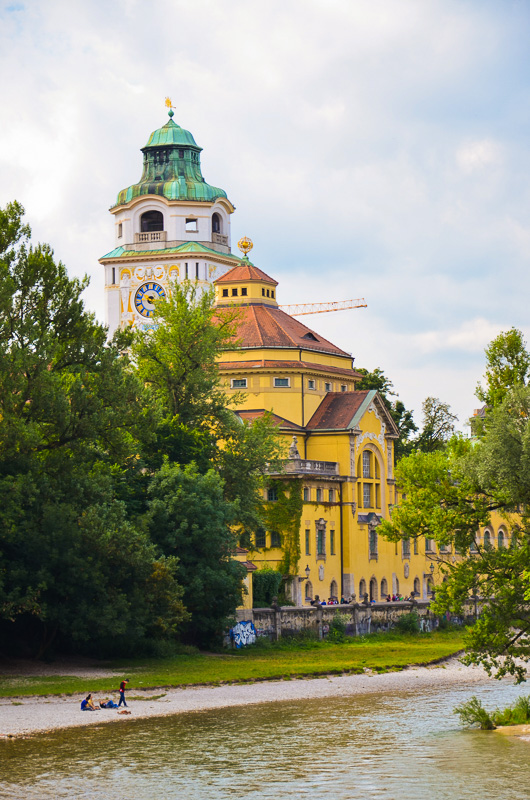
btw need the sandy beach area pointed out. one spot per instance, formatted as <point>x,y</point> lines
<point>34,715</point>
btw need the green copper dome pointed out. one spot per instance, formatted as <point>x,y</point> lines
<point>172,168</point>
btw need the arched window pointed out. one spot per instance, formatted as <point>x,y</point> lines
<point>500,538</point>
<point>417,585</point>
<point>384,589</point>
<point>369,487</point>
<point>333,590</point>
<point>373,589</point>
<point>487,539</point>
<point>216,223</point>
<point>152,221</point>
<point>362,589</point>
<point>308,590</point>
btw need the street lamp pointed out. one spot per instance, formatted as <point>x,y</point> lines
<point>307,571</point>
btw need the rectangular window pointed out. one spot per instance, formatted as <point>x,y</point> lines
<point>343,387</point>
<point>191,225</point>
<point>307,542</point>
<point>276,539</point>
<point>373,543</point>
<point>327,387</point>
<point>244,291</point>
<point>225,292</point>
<point>272,495</point>
<point>331,495</point>
<point>367,495</point>
<point>186,266</point>
<point>310,384</point>
<point>268,293</point>
<point>319,495</point>
<point>429,545</point>
<point>377,495</point>
<point>367,472</point>
<point>321,543</point>
<point>234,292</point>
<point>197,270</point>
<point>332,542</point>
<point>272,292</point>
<point>307,494</point>
<point>113,275</point>
<point>239,383</point>
<point>261,538</point>
<point>281,382</point>
<point>263,292</point>
<point>415,545</point>
<point>120,230</point>
<point>406,548</point>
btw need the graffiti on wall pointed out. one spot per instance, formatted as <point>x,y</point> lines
<point>243,633</point>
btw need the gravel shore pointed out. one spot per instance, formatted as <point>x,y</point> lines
<point>28,716</point>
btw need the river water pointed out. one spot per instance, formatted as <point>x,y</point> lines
<point>403,746</point>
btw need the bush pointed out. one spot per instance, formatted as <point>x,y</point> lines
<point>474,713</point>
<point>337,629</point>
<point>266,585</point>
<point>408,623</point>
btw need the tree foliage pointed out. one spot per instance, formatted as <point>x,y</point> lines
<point>507,366</point>
<point>450,494</point>
<point>438,425</point>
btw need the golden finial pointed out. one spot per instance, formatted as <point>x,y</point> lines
<point>170,106</point>
<point>245,245</point>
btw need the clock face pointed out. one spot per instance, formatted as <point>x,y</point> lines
<point>146,296</point>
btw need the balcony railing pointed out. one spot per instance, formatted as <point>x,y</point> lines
<point>151,236</point>
<point>220,238</point>
<point>306,467</point>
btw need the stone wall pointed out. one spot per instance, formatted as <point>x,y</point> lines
<point>361,618</point>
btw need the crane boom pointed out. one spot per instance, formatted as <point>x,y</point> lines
<point>299,309</point>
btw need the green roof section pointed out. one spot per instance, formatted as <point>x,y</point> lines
<point>171,169</point>
<point>187,247</point>
<point>362,408</point>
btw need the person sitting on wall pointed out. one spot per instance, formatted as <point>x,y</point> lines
<point>343,601</point>
<point>388,599</point>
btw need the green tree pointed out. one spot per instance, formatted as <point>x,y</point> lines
<point>189,517</point>
<point>72,568</point>
<point>507,366</point>
<point>450,494</point>
<point>402,417</point>
<point>438,425</point>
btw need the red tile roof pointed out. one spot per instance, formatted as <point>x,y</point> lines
<point>256,413</point>
<point>246,272</point>
<point>296,365</point>
<point>268,326</point>
<point>337,410</point>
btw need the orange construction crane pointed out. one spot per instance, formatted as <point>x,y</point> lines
<point>299,309</point>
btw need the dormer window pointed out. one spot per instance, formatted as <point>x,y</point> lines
<point>311,336</point>
<point>191,225</point>
<point>225,292</point>
<point>151,221</point>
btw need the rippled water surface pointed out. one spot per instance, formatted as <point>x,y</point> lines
<point>394,747</point>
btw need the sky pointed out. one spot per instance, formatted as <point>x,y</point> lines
<point>372,148</point>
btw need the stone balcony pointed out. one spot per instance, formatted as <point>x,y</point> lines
<point>151,236</point>
<point>302,466</point>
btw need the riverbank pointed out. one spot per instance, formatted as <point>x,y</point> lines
<point>23,717</point>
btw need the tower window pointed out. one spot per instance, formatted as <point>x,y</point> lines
<point>281,382</point>
<point>216,223</point>
<point>191,225</point>
<point>113,275</point>
<point>197,269</point>
<point>234,292</point>
<point>310,384</point>
<point>225,292</point>
<point>343,387</point>
<point>239,383</point>
<point>151,221</point>
<point>263,292</point>
<point>120,230</point>
<point>272,292</point>
<point>327,387</point>
<point>186,267</point>
<point>243,292</point>
<point>268,293</point>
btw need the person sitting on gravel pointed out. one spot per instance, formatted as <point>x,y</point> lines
<point>88,704</point>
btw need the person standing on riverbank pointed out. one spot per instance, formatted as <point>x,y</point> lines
<point>122,693</point>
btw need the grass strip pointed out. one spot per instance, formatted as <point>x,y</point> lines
<point>379,653</point>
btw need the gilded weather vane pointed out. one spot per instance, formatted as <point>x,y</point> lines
<point>170,106</point>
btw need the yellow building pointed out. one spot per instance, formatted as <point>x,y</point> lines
<point>341,447</point>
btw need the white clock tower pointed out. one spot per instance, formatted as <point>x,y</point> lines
<point>170,226</point>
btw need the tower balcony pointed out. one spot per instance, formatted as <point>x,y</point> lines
<point>220,238</point>
<point>151,236</point>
